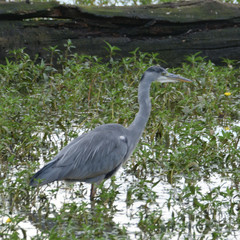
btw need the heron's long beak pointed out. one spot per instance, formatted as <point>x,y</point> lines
<point>177,78</point>
<point>169,77</point>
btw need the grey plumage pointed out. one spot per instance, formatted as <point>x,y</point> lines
<point>79,161</point>
<point>98,154</point>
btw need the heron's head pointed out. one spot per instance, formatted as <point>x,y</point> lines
<point>159,74</point>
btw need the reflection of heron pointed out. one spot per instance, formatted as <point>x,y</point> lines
<point>98,154</point>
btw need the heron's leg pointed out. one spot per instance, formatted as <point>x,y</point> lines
<point>93,191</point>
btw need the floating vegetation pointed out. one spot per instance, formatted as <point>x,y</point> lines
<point>182,182</point>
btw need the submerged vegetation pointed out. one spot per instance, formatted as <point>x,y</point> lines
<point>182,181</point>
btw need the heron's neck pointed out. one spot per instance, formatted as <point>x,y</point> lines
<point>140,121</point>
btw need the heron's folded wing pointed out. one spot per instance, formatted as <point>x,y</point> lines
<point>95,154</point>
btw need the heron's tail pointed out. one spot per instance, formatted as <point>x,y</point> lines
<point>45,175</point>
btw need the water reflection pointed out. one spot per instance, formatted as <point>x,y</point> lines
<point>191,204</point>
<point>174,203</point>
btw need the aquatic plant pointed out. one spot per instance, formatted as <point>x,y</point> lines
<point>181,182</point>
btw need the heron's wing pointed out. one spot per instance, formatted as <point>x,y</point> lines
<point>49,172</point>
<point>66,149</point>
<point>95,154</point>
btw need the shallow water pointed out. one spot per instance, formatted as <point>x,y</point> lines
<point>128,216</point>
<point>201,200</point>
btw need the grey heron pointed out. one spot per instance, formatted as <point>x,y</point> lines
<point>98,154</point>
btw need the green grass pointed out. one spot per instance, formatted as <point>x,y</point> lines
<point>44,106</point>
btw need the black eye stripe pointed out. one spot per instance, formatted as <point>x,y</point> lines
<point>157,69</point>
